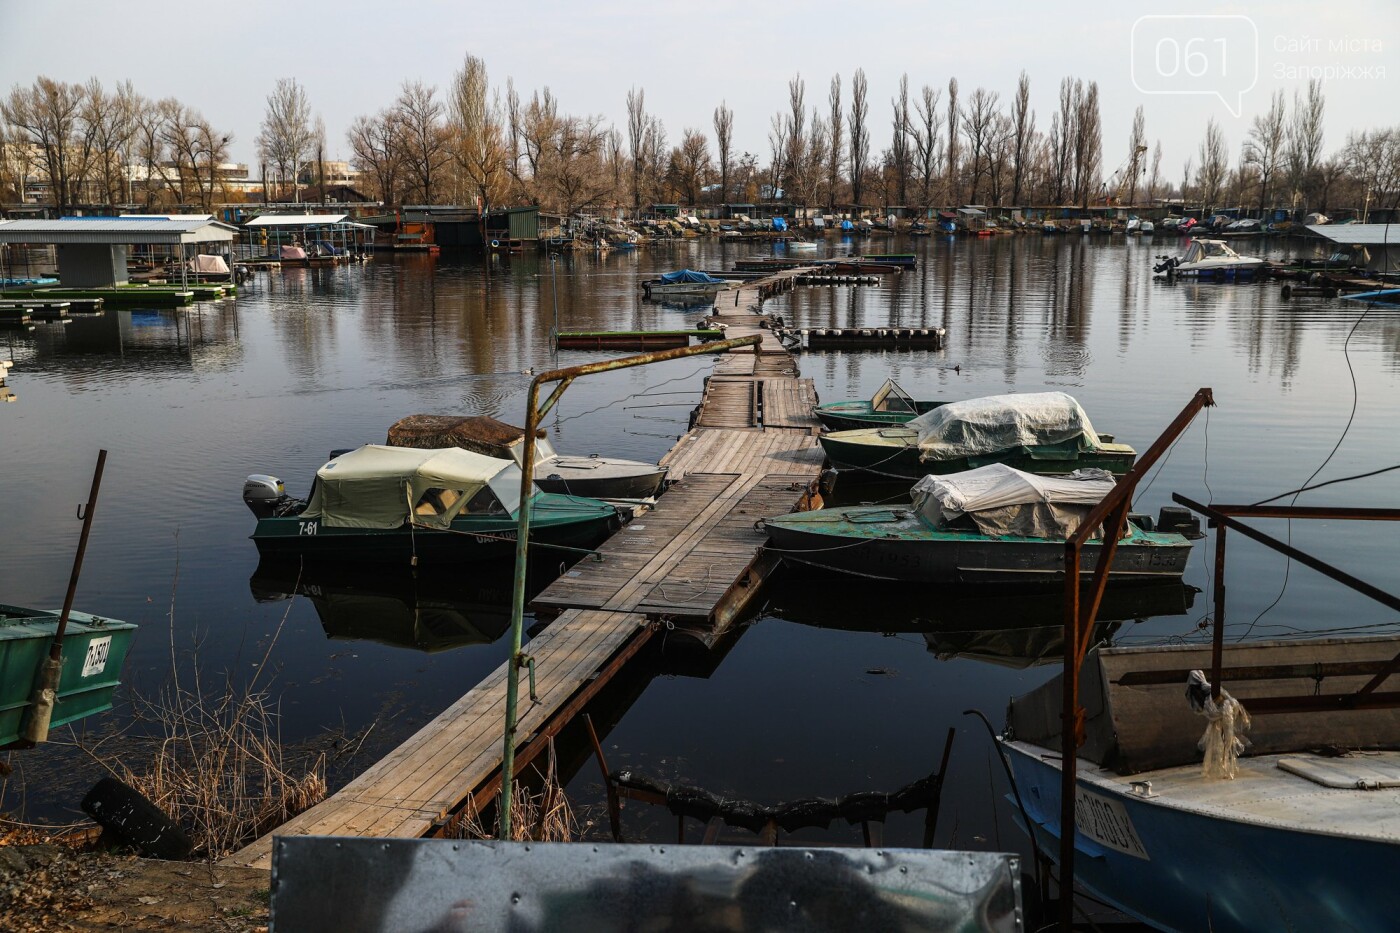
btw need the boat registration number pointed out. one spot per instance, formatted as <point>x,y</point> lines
<point>1107,822</point>
<point>96,660</point>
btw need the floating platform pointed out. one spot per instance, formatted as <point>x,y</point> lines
<point>633,339</point>
<point>872,338</point>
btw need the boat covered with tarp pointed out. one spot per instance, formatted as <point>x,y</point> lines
<point>94,651</point>
<point>890,405</point>
<point>994,524</point>
<point>1038,432</point>
<point>594,476</point>
<point>399,504</point>
<point>685,282</point>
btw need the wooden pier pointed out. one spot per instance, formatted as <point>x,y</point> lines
<point>751,453</point>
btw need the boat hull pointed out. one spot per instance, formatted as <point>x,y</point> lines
<point>895,452</point>
<point>1199,872</point>
<point>94,651</point>
<point>554,520</point>
<point>856,414</point>
<point>907,552</point>
<point>644,483</point>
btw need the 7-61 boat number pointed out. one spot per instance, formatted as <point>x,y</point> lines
<point>307,528</point>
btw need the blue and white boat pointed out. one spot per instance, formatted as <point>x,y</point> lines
<point>1304,836</point>
<point>685,282</point>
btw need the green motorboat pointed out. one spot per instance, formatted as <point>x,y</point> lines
<point>94,650</point>
<point>990,525</point>
<point>1046,433</point>
<point>401,505</point>
<point>889,406</point>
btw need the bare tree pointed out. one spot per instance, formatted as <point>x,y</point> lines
<point>46,115</point>
<point>636,135</point>
<point>926,142</point>
<point>1154,180</point>
<point>795,164</point>
<point>1137,143</point>
<point>1303,150</point>
<point>836,146</point>
<point>778,151</point>
<point>1263,150</point>
<point>952,187</point>
<point>377,148</point>
<point>724,146</point>
<point>814,168</point>
<point>978,118</point>
<point>426,142</point>
<point>285,137</point>
<point>900,130</point>
<point>691,164</point>
<point>1088,142</point>
<point>1214,158</point>
<point>479,143</point>
<point>860,135</point>
<point>1023,129</point>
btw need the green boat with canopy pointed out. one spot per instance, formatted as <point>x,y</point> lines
<point>396,505</point>
<point>994,524</point>
<point>889,406</point>
<point>1039,432</point>
<point>94,651</point>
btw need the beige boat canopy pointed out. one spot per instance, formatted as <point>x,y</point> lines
<point>387,487</point>
<point>1003,501</point>
<point>980,426</point>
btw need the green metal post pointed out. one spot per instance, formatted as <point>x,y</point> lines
<point>533,416</point>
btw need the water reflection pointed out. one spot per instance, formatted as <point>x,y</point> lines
<point>422,611</point>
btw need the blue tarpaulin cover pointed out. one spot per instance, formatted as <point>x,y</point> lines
<point>689,277</point>
<point>847,225</point>
<point>779,223</point>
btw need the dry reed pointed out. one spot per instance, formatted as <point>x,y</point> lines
<point>543,816</point>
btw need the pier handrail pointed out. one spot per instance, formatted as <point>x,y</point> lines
<point>1112,513</point>
<point>535,413</point>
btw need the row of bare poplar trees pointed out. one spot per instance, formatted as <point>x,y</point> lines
<point>474,143</point>
<point>91,145</point>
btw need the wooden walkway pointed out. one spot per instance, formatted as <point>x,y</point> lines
<point>751,454</point>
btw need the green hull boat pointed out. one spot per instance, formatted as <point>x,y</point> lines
<point>889,406</point>
<point>895,452</point>
<point>94,650</point>
<point>994,524</point>
<point>414,506</point>
<point>566,521</point>
<point>882,543</point>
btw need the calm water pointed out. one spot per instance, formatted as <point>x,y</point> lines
<point>834,688</point>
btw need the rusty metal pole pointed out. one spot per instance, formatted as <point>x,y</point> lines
<point>533,416</point>
<point>1217,648</point>
<point>36,722</point>
<point>1111,512</point>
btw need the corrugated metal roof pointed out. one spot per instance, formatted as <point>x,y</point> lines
<point>116,231</point>
<point>1359,234</point>
<point>205,217</point>
<point>296,220</point>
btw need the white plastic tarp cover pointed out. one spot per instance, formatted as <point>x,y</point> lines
<point>1002,422</point>
<point>377,486</point>
<point>210,265</point>
<point>1004,501</point>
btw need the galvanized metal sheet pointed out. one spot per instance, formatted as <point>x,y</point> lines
<point>351,885</point>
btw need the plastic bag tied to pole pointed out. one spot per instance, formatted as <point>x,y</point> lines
<point>1226,723</point>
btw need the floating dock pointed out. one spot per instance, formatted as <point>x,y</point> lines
<point>752,452</point>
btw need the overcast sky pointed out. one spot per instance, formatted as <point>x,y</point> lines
<point>224,59</point>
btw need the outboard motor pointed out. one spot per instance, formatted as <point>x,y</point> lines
<point>1167,265</point>
<point>1174,518</point>
<point>263,494</point>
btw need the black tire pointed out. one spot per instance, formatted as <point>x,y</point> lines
<point>130,817</point>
